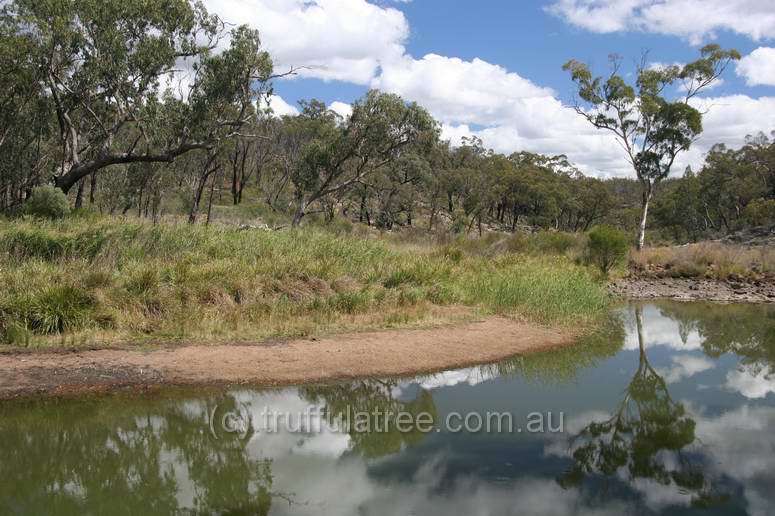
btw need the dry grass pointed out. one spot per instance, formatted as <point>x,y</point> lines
<point>706,260</point>
<point>99,280</point>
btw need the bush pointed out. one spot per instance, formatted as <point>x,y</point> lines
<point>761,212</point>
<point>47,202</point>
<point>607,247</point>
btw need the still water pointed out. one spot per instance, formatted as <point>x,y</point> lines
<point>670,410</point>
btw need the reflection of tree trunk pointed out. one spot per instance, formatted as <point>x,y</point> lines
<point>644,366</point>
<point>639,325</point>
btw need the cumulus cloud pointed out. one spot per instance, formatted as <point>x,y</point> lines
<point>694,20</point>
<point>341,108</point>
<point>507,111</point>
<point>660,330</point>
<point>461,91</point>
<point>279,106</point>
<point>750,382</point>
<point>758,67</point>
<point>741,446</point>
<point>343,40</point>
<point>685,366</point>
<point>510,113</point>
<point>728,119</point>
<point>363,43</point>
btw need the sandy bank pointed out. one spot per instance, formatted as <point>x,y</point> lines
<point>381,353</point>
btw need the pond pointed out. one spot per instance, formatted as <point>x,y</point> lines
<point>670,410</point>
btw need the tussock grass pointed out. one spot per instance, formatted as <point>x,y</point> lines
<point>707,260</point>
<point>109,279</point>
<point>493,244</point>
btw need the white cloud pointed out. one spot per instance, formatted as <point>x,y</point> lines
<point>741,445</point>
<point>751,383</point>
<point>363,43</point>
<point>758,67</point>
<point>728,119</point>
<point>341,108</point>
<point>660,330</point>
<point>517,114</point>
<point>469,376</point>
<point>514,113</point>
<point>343,40</point>
<point>685,366</point>
<point>280,107</point>
<point>694,20</point>
<point>460,91</point>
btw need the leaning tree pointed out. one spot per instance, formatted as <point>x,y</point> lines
<point>136,81</point>
<point>339,154</point>
<point>652,125</point>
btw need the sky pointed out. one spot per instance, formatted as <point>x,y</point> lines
<point>493,68</point>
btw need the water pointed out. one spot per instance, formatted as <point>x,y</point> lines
<point>676,418</point>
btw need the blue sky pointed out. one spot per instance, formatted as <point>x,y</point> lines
<point>493,68</point>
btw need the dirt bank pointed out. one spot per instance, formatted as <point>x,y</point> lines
<point>383,353</point>
<point>688,289</point>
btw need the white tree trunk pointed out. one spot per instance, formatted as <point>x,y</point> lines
<point>643,217</point>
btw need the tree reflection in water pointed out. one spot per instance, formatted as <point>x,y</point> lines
<point>646,438</point>
<point>341,401</point>
<point>743,329</point>
<point>93,457</point>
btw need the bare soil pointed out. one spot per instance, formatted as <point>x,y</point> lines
<point>380,353</point>
<point>690,289</point>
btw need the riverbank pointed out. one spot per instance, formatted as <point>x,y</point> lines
<point>93,281</point>
<point>693,289</point>
<point>292,362</point>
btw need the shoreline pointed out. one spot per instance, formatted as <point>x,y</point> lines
<point>402,352</point>
<point>693,289</point>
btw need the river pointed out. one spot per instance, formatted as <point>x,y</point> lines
<point>668,410</point>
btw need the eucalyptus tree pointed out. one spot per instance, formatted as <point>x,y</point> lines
<point>102,67</point>
<point>24,123</point>
<point>652,128</point>
<point>341,153</point>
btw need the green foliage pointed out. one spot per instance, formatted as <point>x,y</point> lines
<point>336,154</point>
<point>106,65</point>
<point>607,247</point>
<point>47,202</point>
<point>652,128</point>
<point>761,212</point>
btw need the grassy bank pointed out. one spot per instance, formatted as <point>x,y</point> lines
<point>87,280</point>
<point>709,260</point>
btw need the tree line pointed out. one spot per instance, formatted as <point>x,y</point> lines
<point>125,106</point>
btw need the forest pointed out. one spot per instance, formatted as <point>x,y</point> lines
<point>102,111</point>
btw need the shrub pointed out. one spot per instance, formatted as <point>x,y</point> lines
<point>761,212</point>
<point>607,247</point>
<point>47,202</point>
<point>554,242</point>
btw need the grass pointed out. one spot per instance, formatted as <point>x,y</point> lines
<point>101,280</point>
<point>707,260</point>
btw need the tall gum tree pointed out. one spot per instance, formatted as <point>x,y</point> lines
<point>652,127</point>
<point>102,67</point>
